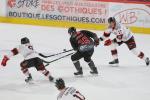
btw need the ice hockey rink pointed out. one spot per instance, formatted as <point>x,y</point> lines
<point>129,81</point>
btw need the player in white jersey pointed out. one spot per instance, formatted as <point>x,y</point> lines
<point>123,35</point>
<point>30,59</point>
<point>67,93</point>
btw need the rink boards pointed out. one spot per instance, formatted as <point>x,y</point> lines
<point>81,14</point>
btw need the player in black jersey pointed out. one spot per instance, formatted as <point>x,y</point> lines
<point>83,43</point>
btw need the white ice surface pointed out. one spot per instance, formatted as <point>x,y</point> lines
<point>130,81</point>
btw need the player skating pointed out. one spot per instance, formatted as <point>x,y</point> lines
<point>123,35</point>
<point>82,42</point>
<point>30,59</point>
<point>67,93</point>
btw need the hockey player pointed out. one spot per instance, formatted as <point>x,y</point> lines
<point>67,93</point>
<point>30,59</point>
<point>82,42</point>
<point>123,35</point>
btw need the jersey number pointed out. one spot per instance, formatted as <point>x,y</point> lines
<point>84,40</point>
<point>79,95</point>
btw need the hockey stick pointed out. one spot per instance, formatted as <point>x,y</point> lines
<point>48,62</point>
<point>46,56</point>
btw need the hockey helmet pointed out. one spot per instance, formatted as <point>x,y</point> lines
<point>60,84</point>
<point>71,30</point>
<point>25,40</point>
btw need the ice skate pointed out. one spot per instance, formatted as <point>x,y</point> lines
<point>29,79</point>
<point>147,61</point>
<point>79,72</point>
<point>51,79</point>
<point>115,62</point>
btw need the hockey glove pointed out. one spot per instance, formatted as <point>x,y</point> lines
<point>4,61</point>
<point>108,42</point>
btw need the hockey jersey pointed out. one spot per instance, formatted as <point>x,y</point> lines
<point>122,32</point>
<point>26,50</point>
<point>70,93</point>
<point>81,38</point>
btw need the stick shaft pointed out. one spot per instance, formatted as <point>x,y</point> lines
<point>48,62</point>
<point>46,56</point>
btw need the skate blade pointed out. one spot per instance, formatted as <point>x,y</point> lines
<point>52,81</point>
<point>95,75</point>
<point>30,82</point>
<point>114,65</point>
<point>79,76</point>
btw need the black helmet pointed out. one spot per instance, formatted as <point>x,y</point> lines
<point>71,30</point>
<point>111,19</point>
<point>60,84</point>
<point>25,40</point>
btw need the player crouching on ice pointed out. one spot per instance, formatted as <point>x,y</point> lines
<point>123,35</point>
<point>82,42</point>
<point>67,93</point>
<point>31,59</point>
